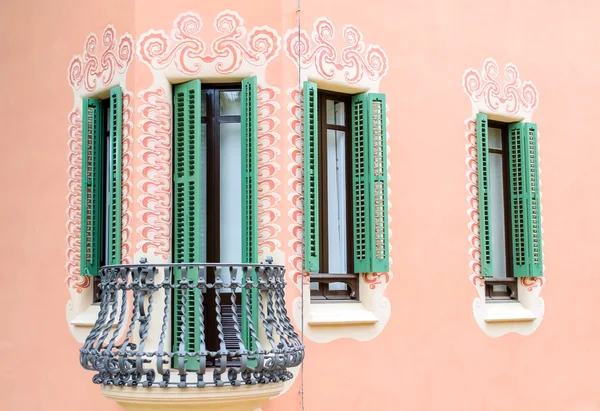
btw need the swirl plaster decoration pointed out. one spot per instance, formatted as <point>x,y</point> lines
<point>90,68</point>
<point>515,101</point>
<point>235,52</point>
<point>357,69</point>
<point>318,51</point>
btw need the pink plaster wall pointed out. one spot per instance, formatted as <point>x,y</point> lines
<point>431,355</point>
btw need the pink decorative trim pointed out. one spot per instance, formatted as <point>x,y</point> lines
<point>187,51</point>
<point>155,173</point>
<point>127,184</point>
<point>373,279</point>
<point>296,196</point>
<point>87,70</point>
<point>74,280</point>
<point>513,97</point>
<point>268,166</point>
<point>319,51</point>
<point>532,282</point>
<point>472,199</point>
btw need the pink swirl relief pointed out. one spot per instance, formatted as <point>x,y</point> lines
<point>356,61</point>
<point>185,49</point>
<point>513,96</point>
<point>155,173</point>
<point>101,65</point>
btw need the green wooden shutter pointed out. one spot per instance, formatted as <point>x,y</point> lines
<point>91,186</point>
<point>532,181</point>
<point>311,179</point>
<point>361,152</point>
<point>188,230</point>
<point>115,153</point>
<point>518,199</point>
<point>378,184</point>
<point>249,197</point>
<point>483,176</point>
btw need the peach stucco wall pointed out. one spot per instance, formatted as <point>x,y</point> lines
<point>431,355</point>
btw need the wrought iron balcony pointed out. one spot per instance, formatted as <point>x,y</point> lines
<point>191,325</point>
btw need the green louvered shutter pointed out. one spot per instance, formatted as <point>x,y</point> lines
<point>115,154</point>
<point>361,152</point>
<point>92,143</point>
<point>249,197</point>
<point>534,229</point>
<point>311,179</point>
<point>188,230</point>
<point>378,184</point>
<point>518,199</point>
<point>483,178</point>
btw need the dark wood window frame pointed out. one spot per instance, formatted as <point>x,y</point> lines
<point>511,292</point>
<point>324,278</point>
<point>213,119</point>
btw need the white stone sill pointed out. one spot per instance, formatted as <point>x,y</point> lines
<point>340,314</point>
<point>507,312</point>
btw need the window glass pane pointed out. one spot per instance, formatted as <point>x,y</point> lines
<point>314,286</point>
<point>495,138</point>
<point>336,201</point>
<point>231,195</point>
<point>496,193</point>
<point>203,109</point>
<point>229,103</point>
<point>338,286</point>
<point>335,112</point>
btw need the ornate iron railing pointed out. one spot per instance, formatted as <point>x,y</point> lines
<point>137,349</point>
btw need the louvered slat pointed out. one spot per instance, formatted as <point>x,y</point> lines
<point>378,205</point>
<point>483,179</point>
<point>115,175</point>
<point>361,152</point>
<point>533,185</point>
<point>91,186</point>
<point>188,233</point>
<point>311,179</point>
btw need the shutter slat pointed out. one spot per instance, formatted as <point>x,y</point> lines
<point>378,184</point>
<point>518,199</point>
<point>534,213</point>
<point>361,152</point>
<point>311,179</point>
<point>115,175</point>
<point>483,176</point>
<point>91,186</point>
<point>249,198</point>
<point>188,233</point>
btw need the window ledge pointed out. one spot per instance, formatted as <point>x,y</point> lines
<point>228,398</point>
<point>340,314</point>
<point>87,318</point>
<point>507,312</point>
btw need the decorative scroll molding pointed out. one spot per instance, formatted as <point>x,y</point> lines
<point>155,182</point>
<point>512,100</point>
<point>184,49</point>
<point>74,281</point>
<point>235,53</point>
<point>352,63</point>
<point>90,68</point>
<point>127,183</point>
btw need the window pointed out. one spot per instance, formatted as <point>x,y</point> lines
<point>510,232</point>
<point>215,190</point>
<point>102,129</point>
<point>345,191</point>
